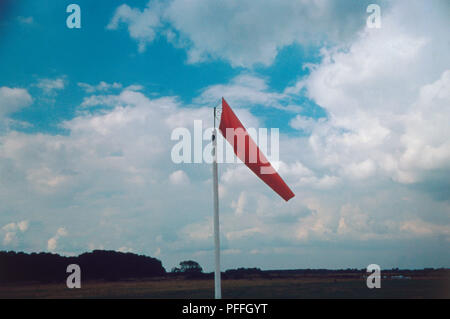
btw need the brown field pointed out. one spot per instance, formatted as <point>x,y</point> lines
<point>294,287</point>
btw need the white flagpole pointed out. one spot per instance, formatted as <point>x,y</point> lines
<point>217,283</point>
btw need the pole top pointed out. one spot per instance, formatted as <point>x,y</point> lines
<point>217,111</point>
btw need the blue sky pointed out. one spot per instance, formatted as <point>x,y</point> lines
<point>86,116</point>
<point>61,52</point>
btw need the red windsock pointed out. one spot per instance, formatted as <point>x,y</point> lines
<point>248,152</point>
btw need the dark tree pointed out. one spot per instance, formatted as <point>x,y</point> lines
<point>97,265</point>
<point>190,267</point>
<point>243,273</point>
<point>175,270</point>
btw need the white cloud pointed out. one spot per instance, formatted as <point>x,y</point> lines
<point>9,237</point>
<point>388,108</point>
<point>245,233</point>
<point>13,99</point>
<point>421,228</point>
<point>52,243</point>
<point>11,231</point>
<point>61,232</point>
<point>134,87</point>
<point>19,226</point>
<point>23,226</point>
<point>179,178</point>
<point>244,33</point>
<point>426,129</point>
<point>239,206</point>
<point>361,170</point>
<point>241,32</point>
<point>50,86</point>
<point>125,249</point>
<point>25,20</point>
<point>96,100</point>
<point>101,87</point>
<point>142,25</point>
<point>248,90</point>
<point>306,124</point>
<point>44,179</point>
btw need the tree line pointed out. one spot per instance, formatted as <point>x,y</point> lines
<point>96,265</point>
<point>113,266</point>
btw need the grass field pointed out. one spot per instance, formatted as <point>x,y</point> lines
<point>259,288</point>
